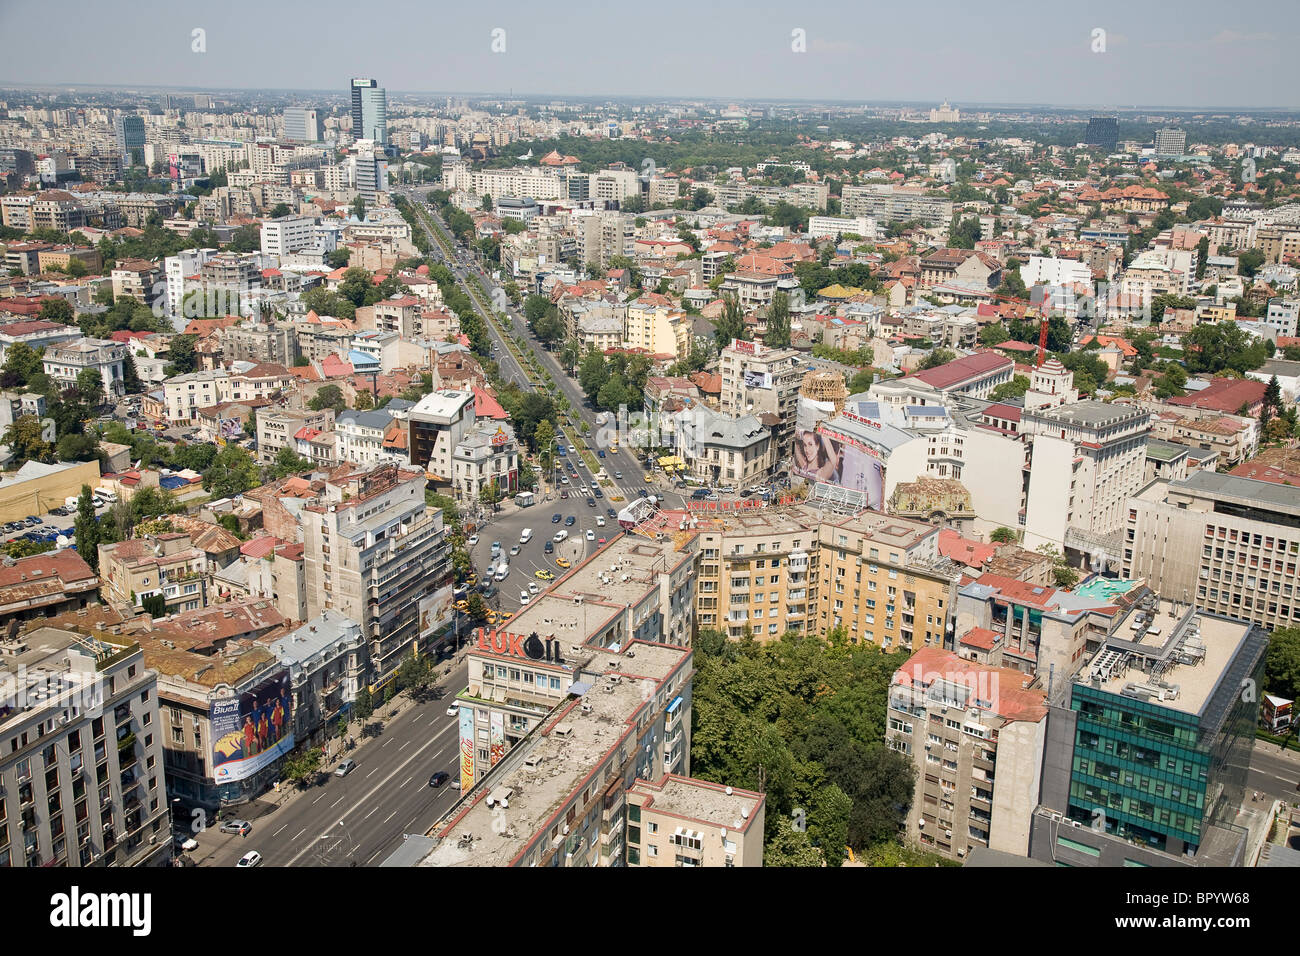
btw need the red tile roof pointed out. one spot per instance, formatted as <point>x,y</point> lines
<point>960,370</point>
<point>1224,395</point>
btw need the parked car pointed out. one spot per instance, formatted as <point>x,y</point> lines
<point>473,540</point>
<point>251,858</point>
<point>238,827</point>
<point>345,768</point>
<point>186,843</point>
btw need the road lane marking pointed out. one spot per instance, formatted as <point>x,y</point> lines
<point>375,789</point>
<point>277,832</point>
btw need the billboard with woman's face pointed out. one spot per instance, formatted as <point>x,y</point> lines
<point>821,456</point>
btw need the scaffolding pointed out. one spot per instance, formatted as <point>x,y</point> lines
<point>825,385</point>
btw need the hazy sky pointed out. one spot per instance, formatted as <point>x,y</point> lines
<point>1190,53</point>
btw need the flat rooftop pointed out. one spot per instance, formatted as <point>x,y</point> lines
<point>1211,651</point>
<point>540,775</point>
<point>700,802</point>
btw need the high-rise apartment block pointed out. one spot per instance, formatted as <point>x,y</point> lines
<point>304,125</point>
<point>1228,544</point>
<point>81,763</point>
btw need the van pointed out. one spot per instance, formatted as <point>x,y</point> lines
<point>502,570</point>
<point>526,536</point>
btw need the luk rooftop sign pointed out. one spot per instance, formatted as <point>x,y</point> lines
<point>529,647</point>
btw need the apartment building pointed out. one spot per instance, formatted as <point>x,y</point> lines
<point>947,265</point>
<point>1229,544</point>
<point>1147,754</point>
<point>654,325</point>
<point>976,735</point>
<point>757,279</point>
<point>882,579</point>
<point>1102,448</point>
<point>304,125</point>
<point>277,427</point>
<point>374,552</point>
<point>260,342</point>
<point>164,564</point>
<point>1278,244</point>
<point>65,361</point>
<point>1159,272</point>
<point>757,380</point>
<point>523,183</point>
<point>1235,438</point>
<point>438,422</point>
<point>887,204</point>
<point>138,278</point>
<point>1034,628</point>
<point>603,235</point>
<point>360,437</point>
<point>662,818</point>
<point>758,571</point>
<point>182,268</point>
<point>58,210</point>
<point>288,235</point>
<point>81,768</point>
<point>560,796</point>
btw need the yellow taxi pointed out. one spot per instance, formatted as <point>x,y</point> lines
<point>544,575</point>
<point>506,615</point>
<point>472,580</point>
<point>492,617</point>
<point>462,606</point>
<point>563,562</point>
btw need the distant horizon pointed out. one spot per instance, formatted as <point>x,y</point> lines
<point>834,51</point>
<point>341,93</point>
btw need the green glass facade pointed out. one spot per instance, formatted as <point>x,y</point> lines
<point>1160,774</point>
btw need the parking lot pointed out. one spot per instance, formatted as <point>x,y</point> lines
<point>46,527</point>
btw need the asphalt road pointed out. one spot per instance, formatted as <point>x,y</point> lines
<point>1274,772</point>
<point>361,818</point>
<point>600,438</point>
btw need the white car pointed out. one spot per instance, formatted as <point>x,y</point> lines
<point>473,540</point>
<point>514,551</point>
<point>591,535</point>
<point>561,535</point>
<point>600,521</point>
<point>523,598</point>
<point>453,710</point>
<point>533,588</point>
<point>251,858</point>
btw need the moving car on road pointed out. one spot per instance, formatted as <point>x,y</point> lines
<point>251,858</point>
<point>345,768</point>
<point>439,778</point>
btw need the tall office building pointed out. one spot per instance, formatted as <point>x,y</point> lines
<point>371,170</point>
<point>1148,746</point>
<point>130,138</point>
<point>369,111</point>
<point>1228,543</point>
<point>1102,131</point>
<point>303,125</point>
<point>1171,142</point>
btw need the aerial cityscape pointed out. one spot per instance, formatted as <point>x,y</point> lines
<point>725,453</point>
